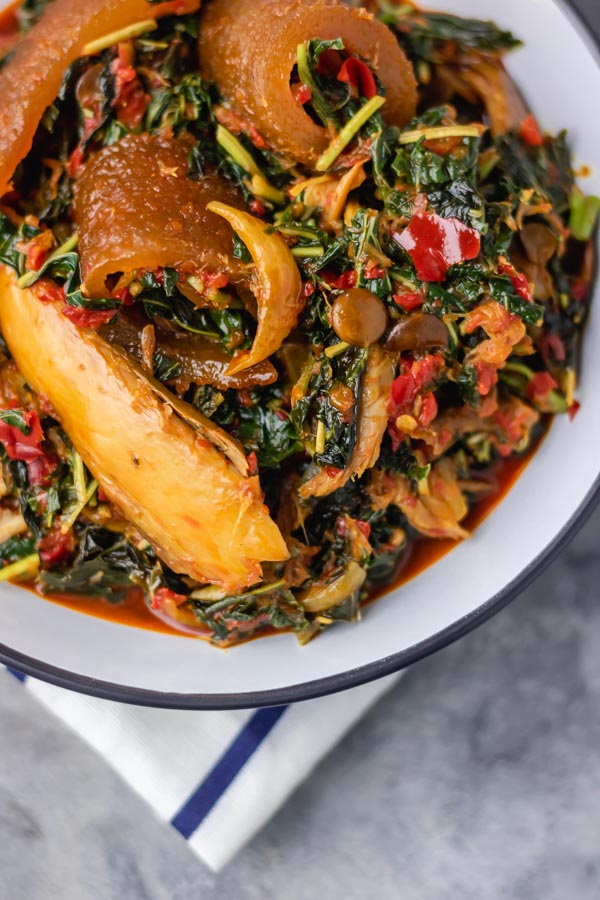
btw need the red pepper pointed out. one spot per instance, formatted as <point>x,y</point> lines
<point>55,547</point>
<point>409,302</point>
<point>75,161</point>
<point>163,595</point>
<point>303,93</point>
<point>49,292</point>
<point>25,447</point>
<point>487,377</point>
<point>130,101</point>
<point>434,244</point>
<point>510,425</point>
<point>529,131</point>
<point>257,207</point>
<point>346,280</point>
<point>364,528</point>
<point>339,282</point>
<point>425,370</point>
<point>88,318</point>
<point>238,125</point>
<point>574,409</point>
<point>402,394</point>
<point>429,410</point>
<point>396,436</point>
<point>41,469</point>
<point>579,289</point>
<point>519,281</point>
<point>373,272</point>
<point>540,386</point>
<point>358,75</point>
<point>35,257</point>
<point>124,296</point>
<point>308,289</point>
<point>245,397</point>
<point>332,472</point>
<point>555,343</point>
<point>418,374</point>
<point>215,280</point>
<point>132,104</point>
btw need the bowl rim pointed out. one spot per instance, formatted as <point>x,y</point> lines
<point>106,690</point>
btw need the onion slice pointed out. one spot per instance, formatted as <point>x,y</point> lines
<point>320,597</point>
<point>277,284</point>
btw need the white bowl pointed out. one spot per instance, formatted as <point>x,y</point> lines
<point>544,508</point>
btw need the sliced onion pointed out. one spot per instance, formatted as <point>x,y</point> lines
<point>321,597</point>
<point>277,284</point>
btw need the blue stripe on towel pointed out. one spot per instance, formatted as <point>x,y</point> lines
<point>18,675</point>
<point>195,810</point>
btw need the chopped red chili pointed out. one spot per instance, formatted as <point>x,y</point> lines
<point>519,281</point>
<point>55,547</point>
<point>434,244</point>
<point>303,93</point>
<point>88,318</point>
<point>40,470</point>
<point>48,292</point>
<point>131,101</point>
<point>257,207</point>
<point>21,446</point>
<point>529,130</point>
<point>540,386</point>
<point>409,302</point>
<point>429,410</point>
<point>163,595</point>
<point>358,75</point>
<point>487,377</point>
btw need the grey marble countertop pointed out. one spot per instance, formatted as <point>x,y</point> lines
<point>476,778</point>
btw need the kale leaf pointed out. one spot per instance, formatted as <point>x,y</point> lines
<point>269,433</point>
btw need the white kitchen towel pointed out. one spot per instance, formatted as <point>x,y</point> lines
<point>216,777</point>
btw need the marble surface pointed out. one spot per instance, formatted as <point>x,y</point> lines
<point>478,776</point>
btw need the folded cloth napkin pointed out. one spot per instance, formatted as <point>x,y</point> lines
<point>245,762</point>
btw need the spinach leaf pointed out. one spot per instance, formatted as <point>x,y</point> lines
<point>269,433</point>
<point>106,565</point>
<point>421,167</point>
<point>423,34</point>
<point>467,384</point>
<point>236,618</point>
<point>16,418</point>
<point>502,290</point>
<point>16,548</point>
<point>9,236</point>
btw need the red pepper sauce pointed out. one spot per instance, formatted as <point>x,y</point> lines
<point>132,611</point>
